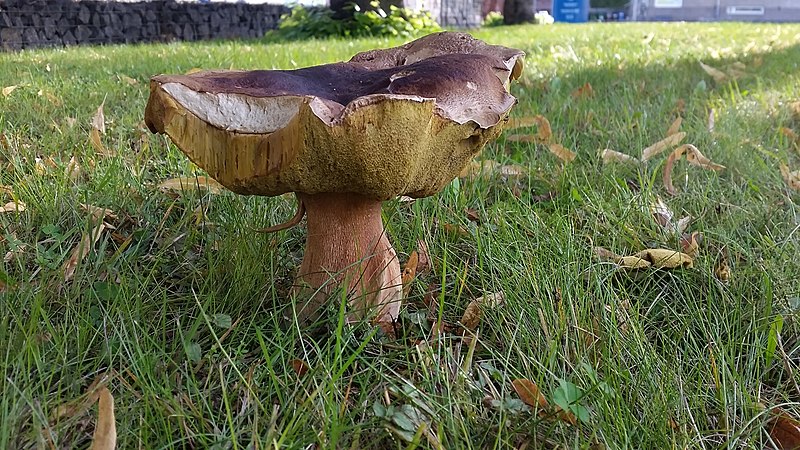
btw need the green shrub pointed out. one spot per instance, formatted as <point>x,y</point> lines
<point>304,23</point>
<point>493,19</point>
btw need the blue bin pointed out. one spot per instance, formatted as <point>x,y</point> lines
<point>572,11</point>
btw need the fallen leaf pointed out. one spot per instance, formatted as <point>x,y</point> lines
<point>99,214</point>
<point>472,215</point>
<point>476,169</point>
<point>660,146</point>
<point>680,106</point>
<point>784,430</point>
<point>520,122</point>
<point>606,254</point>
<point>512,170</point>
<point>73,169</point>
<point>409,272</point>
<point>791,178</point>
<point>794,107</point>
<point>722,271</point>
<point>693,156</point>
<point>97,143</point>
<point>9,89</point>
<point>665,258</point>
<point>718,75</point>
<point>711,120</point>
<point>81,405</point>
<point>472,314</point>
<point>675,127</point>
<point>521,138</point>
<point>529,393</point>
<point>424,263</point>
<point>544,132</point>
<point>690,244</point>
<point>99,119</point>
<point>81,250</point>
<point>183,184</point>
<point>13,206</point>
<point>299,367</point>
<point>127,79</point>
<point>105,432</point>
<point>666,218</point>
<point>584,91</point>
<point>789,133</point>
<point>610,156</point>
<point>563,153</point>
<point>457,230</point>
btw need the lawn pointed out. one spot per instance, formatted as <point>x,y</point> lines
<point>179,307</point>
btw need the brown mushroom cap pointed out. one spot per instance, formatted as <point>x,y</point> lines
<point>382,125</point>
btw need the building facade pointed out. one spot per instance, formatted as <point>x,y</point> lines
<point>713,10</point>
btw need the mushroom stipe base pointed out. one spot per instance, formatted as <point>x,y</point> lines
<point>347,247</point>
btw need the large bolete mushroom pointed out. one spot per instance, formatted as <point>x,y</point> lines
<point>344,137</point>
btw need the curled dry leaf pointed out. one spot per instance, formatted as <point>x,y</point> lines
<point>563,153</point>
<point>13,206</point>
<point>424,263</point>
<point>474,311</point>
<point>693,156</point>
<point>610,156</point>
<point>520,122</point>
<point>789,133</point>
<point>664,144</point>
<point>718,75</point>
<point>584,91</point>
<point>99,119</point>
<point>97,143</point>
<point>9,89</point>
<point>722,271</point>
<point>529,393</point>
<point>675,127</point>
<point>409,272</point>
<point>105,432</point>
<point>81,250</point>
<point>690,243</point>
<point>183,184</point>
<point>299,367</point>
<point>784,430</point>
<point>544,132</point>
<point>791,178</point>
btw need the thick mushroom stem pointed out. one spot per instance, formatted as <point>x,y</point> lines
<point>347,246</point>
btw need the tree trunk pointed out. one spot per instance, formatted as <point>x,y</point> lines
<point>518,11</point>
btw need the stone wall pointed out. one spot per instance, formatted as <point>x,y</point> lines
<point>43,23</point>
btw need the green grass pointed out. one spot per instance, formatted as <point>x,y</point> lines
<point>663,359</point>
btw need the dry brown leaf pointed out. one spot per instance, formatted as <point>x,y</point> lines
<point>521,138</point>
<point>97,143</point>
<point>9,89</point>
<point>409,272</point>
<point>476,169</point>
<point>666,218</point>
<point>529,393</point>
<point>794,107</point>
<point>789,133</point>
<point>128,80</point>
<point>457,230</point>
<point>520,122</point>
<point>105,432</point>
<point>606,255</point>
<point>693,156</point>
<point>73,169</point>
<point>81,250</point>
<point>563,153</point>
<point>718,75</point>
<point>299,367</point>
<point>424,263</point>
<point>584,91</point>
<point>690,243</point>
<point>99,214</point>
<point>544,132</point>
<point>722,271</point>
<point>680,106</point>
<point>183,184</point>
<point>675,127</point>
<point>610,156</point>
<point>665,258</point>
<point>13,206</point>
<point>99,119</point>
<point>80,405</point>
<point>472,314</point>
<point>791,178</point>
<point>664,144</point>
<point>784,430</point>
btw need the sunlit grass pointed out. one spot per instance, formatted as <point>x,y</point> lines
<point>665,358</point>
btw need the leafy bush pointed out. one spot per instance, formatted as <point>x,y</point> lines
<point>493,19</point>
<point>304,23</point>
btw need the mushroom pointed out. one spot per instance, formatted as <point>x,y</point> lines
<point>344,137</point>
